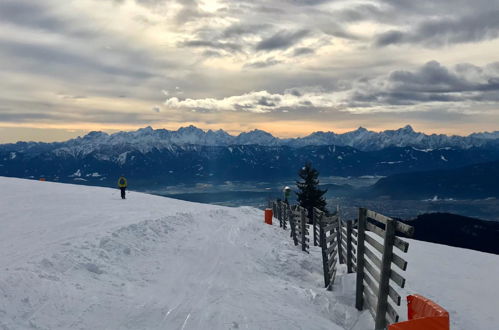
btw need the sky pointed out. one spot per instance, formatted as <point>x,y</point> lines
<point>290,67</point>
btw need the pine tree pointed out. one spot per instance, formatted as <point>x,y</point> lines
<point>309,194</point>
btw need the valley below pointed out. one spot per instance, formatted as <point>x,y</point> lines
<point>346,192</point>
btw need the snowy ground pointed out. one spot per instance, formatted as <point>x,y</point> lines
<point>77,257</point>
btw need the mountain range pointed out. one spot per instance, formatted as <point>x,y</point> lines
<point>146,139</point>
<point>190,154</point>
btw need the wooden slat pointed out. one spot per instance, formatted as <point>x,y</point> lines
<point>399,226</point>
<point>331,262</point>
<point>333,255</point>
<point>371,270</point>
<point>330,227</point>
<point>397,278</point>
<point>330,238</point>
<point>394,295</point>
<point>332,267</point>
<point>391,314</point>
<point>374,243</point>
<point>401,263</point>
<point>344,245</point>
<point>372,284</point>
<point>354,258</point>
<point>354,240</point>
<point>331,248</point>
<point>343,231</point>
<point>400,244</point>
<point>355,232</point>
<point>375,229</point>
<point>375,260</point>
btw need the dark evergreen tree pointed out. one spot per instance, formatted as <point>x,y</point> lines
<point>309,194</point>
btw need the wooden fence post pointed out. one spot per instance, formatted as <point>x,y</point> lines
<point>292,224</point>
<point>285,216</point>
<point>322,237</point>
<point>281,213</point>
<point>381,308</point>
<point>359,299</point>
<point>338,238</point>
<point>303,229</point>
<point>349,247</point>
<point>314,224</point>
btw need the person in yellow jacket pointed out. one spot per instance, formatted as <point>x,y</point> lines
<point>122,184</point>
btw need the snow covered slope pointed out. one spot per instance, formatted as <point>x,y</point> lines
<point>77,257</point>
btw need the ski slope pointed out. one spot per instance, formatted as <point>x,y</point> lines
<point>78,257</point>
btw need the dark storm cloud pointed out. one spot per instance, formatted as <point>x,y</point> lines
<point>282,40</point>
<point>443,30</point>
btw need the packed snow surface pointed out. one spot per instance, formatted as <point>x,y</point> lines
<point>77,257</point>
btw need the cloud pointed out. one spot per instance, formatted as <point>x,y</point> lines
<point>432,82</point>
<point>211,44</point>
<point>399,91</point>
<point>121,54</point>
<point>239,29</point>
<point>263,64</point>
<point>303,51</point>
<point>281,40</point>
<point>440,31</point>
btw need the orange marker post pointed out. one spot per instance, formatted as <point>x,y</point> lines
<point>268,216</point>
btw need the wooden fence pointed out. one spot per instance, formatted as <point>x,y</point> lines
<point>296,217</point>
<point>300,223</point>
<point>327,226</point>
<point>365,245</point>
<point>374,265</point>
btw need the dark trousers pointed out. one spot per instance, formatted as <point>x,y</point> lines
<point>123,192</point>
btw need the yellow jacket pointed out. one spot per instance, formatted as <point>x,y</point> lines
<point>122,182</point>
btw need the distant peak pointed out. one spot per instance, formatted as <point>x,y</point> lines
<point>190,128</point>
<point>407,128</point>
<point>361,129</point>
<point>95,134</point>
<point>146,129</point>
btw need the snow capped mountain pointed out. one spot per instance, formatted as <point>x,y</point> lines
<point>257,137</point>
<point>146,139</point>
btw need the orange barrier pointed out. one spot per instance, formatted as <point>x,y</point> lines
<point>423,314</point>
<point>268,216</point>
<point>42,179</point>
